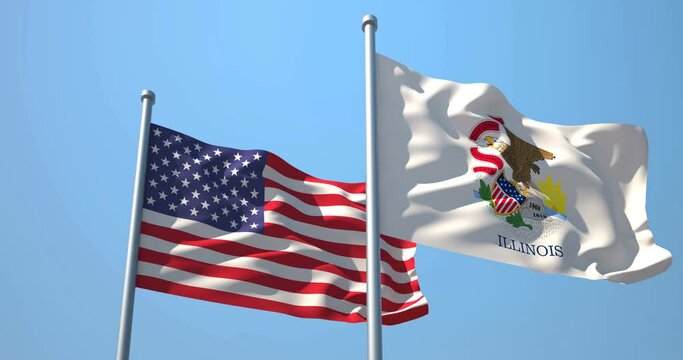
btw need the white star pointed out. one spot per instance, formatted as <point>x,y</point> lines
<point>207,188</point>
<point>186,166</point>
<point>245,163</point>
<point>164,162</point>
<point>196,176</point>
<point>216,199</point>
<point>162,196</point>
<point>226,163</point>
<point>175,172</point>
<point>235,207</point>
<point>197,147</point>
<point>225,211</point>
<point>253,226</point>
<point>214,217</point>
<point>164,178</point>
<point>174,190</point>
<point>244,182</point>
<point>224,181</point>
<point>254,211</point>
<point>195,194</point>
<point>257,156</point>
<point>214,184</point>
<point>167,143</point>
<point>154,167</point>
<point>225,196</point>
<point>214,169</point>
<point>150,201</point>
<point>244,202</point>
<point>253,175</point>
<point>176,155</point>
<point>244,218</point>
<point>205,205</point>
<point>155,149</point>
<point>157,132</point>
<point>217,152</point>
<point>233,224</point>
<point>207,157</point>
<point>186,150</point>
<point>254,194</point>
<point>185,183</point>
<point>172,207</point>
<point>193,212</point>
<point>206,172</point>
<point>196,161</point>
<point>233,172</point>
<point>233,192</point>
<point>238,157</point>
<point>184,201</point>
<point>178,138</point>
<point>153,183</point>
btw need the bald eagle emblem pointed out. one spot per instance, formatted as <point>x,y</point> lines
<point>514,194</point>
<point>521,157</point>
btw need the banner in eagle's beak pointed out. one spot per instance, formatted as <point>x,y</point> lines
<point>462,170</point>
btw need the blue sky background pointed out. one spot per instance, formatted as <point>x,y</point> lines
<point>288,77</point>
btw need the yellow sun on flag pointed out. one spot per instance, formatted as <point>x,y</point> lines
<point>557,199</point>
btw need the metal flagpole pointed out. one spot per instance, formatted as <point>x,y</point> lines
<point>374,290</point>
<point>126,320</point>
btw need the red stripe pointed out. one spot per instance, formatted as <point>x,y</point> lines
<point>317,312</point>
<point>493,159</point>
<point>311,312</point>
<point>505,204</point>
<point>260,278</point>
<point>328,221</point>
<point>316,199</point>
<point>403,316</point>
<point>398,243</point>
<point>348,250</point>
<point>291,172</point>
<point>483,127</point>
<point>234,248</point>
<point>485,169</point>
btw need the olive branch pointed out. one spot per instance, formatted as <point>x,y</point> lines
<point>516,219</point>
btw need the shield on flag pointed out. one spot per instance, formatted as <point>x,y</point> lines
<point>506,198</point>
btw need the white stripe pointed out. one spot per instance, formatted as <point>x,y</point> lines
<point>274,194</point>
<point>247,289</point>
<point>308,187</point>
<point>267,243</point>
<point>334,235</point>
<point>214,258</point>
<point>346,237</point>
<point>260,292</point>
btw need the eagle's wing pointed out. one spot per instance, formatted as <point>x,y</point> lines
<point>527,151</point>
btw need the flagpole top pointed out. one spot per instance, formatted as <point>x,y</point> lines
<point>149,94</point>
<point>369,19</point>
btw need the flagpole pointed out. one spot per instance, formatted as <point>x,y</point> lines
<point>126,321</point>
<point>374,290</point>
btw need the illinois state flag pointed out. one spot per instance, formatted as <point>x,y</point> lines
<point>245,228</point>
<point>462,170</point>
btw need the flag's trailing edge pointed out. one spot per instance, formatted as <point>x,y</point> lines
<point>245,228</point>
<point>462,170</point>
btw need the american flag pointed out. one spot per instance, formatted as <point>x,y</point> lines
<point>245,228</point>
<point>506,198</point>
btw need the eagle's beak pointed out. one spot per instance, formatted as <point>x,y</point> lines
<point>489,140</point>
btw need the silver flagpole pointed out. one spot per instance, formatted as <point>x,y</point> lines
<point>126,320</point>
<point>374,290</point>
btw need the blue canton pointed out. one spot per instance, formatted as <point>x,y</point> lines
<point>215,185</point>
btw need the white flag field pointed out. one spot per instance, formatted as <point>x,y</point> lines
<point>462,170</point>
